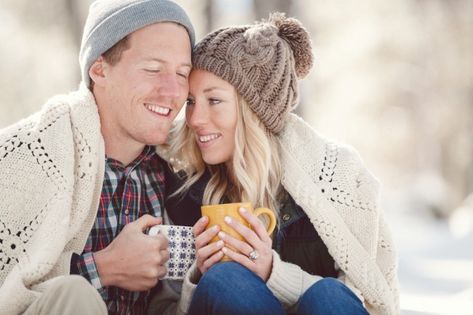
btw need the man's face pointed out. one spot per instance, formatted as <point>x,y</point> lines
<point>142,93</point>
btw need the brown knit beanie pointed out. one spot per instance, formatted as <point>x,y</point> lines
<point>262,61</point>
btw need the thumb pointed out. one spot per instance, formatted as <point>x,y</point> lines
<point>147,221</point>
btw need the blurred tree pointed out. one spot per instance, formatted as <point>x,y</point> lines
<point>209,11</point>
<point>75,22</point>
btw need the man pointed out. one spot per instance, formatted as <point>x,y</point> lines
<point>80,180</point>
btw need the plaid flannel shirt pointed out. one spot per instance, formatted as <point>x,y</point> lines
<point>128,193</point>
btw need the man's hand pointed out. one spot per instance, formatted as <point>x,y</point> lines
<point>134,261</point>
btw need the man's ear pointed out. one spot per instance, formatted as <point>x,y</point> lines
<point>97,71</point>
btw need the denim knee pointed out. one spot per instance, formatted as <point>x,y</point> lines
<point>229,279</point>
<point>329,296</point>
<point>328,286</point>
<point>220,273</point>
<point>230,288</point>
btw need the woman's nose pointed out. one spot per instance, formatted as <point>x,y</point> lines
<point>197,115</point>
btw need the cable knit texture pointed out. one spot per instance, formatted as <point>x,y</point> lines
<point>340,196</point>
<point>51,172</point>
<point>262,61</point>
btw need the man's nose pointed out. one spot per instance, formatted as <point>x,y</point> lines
<point>169,86</point>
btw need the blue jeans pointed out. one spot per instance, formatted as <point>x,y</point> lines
<point>229,288</point>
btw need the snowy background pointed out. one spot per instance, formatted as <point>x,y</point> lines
<point>435,263</point>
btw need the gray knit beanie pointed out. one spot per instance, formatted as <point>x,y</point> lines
<point>109,21</point>
<point>262,61</point>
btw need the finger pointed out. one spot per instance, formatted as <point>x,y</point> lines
<point>161,241</point>
<point>147,221</point>
<point>200,226</point>
<point>151,283</point>
<point>215,258</point>
<point>256,224</point>
<point>162,271</point>
<point>248,234</point>
<point>240,246</point>
<point>163,256</point>
<point>239,258</point>
<point>207,251</point>
<point>205,237</point>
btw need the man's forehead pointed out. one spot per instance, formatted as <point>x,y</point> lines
<point>161,29</point>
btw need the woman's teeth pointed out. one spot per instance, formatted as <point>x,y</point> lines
<point>208,138</point>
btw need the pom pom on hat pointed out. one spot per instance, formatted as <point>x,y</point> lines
<point>298,38</point>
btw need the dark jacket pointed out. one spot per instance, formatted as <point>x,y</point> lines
<point>296,239</point>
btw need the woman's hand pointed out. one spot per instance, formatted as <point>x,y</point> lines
<point>206,254</point>
<point>256,253</point>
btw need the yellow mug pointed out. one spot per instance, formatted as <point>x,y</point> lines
<point>217,213</point>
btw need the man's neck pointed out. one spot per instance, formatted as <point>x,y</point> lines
<point>123,151</point>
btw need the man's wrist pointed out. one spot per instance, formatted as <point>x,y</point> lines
<point>103,265</point>
<point>85,266</point>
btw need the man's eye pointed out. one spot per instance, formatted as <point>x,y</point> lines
<point>183,74</point>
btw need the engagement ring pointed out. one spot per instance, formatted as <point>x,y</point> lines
<point>253,255</point>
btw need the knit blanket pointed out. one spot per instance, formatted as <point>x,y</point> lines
<point>51,173</point>
<point>340,196</point>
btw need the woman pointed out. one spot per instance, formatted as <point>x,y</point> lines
<point>332,253</point>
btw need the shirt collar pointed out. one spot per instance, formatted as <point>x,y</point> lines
<point>141,160</point>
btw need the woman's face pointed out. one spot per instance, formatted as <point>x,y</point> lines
<point>211,112</point>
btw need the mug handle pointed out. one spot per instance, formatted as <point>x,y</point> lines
<point>270,214</point>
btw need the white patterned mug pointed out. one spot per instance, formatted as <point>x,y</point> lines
<point>181,249</point>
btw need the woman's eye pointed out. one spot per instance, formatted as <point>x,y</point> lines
<point>189,102</point>
<point>214,101</point>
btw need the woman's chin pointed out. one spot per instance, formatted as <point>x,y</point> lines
<point>213,160</point>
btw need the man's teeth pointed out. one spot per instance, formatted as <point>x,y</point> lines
<point>158,109</point>
<point>208,138</point>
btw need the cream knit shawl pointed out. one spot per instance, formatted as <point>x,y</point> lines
<point>51,173</point>
<point>340,197</point>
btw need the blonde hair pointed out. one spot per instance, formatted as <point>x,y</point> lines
<point>254,173</point>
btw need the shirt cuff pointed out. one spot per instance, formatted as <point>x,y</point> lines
<point>87,268</point>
